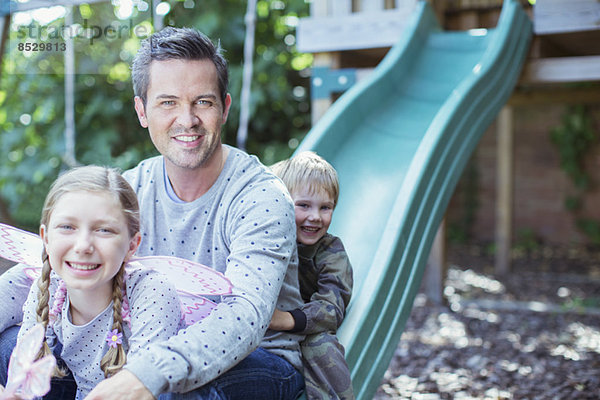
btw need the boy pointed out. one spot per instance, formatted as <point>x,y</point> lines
<point>325,276</point>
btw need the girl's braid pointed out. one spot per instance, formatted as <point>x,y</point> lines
<point>115,358</point>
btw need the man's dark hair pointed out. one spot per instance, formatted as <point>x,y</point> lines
<point>176,44</point>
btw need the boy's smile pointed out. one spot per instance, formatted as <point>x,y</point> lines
<point>314,210</point>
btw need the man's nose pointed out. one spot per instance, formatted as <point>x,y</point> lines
<point>187,117</point>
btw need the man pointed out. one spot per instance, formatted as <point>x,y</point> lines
<point>214,204</point>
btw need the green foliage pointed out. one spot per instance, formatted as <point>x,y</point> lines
<point>32,92</point>
<point>574,138</point>
<point>527,241</point>
<point>590,228</point>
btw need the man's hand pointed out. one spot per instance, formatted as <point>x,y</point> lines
<point>122,386</point>
<point>282,321</point>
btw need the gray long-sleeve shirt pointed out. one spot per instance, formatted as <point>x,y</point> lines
<point>244,227</point>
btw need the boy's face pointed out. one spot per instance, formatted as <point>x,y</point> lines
<point>313,214</point>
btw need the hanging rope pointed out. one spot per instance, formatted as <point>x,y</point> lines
<point>250,20</point>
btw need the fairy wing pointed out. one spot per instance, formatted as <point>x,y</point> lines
<point>27,377</point>
<point>20,246</point>
<point>195,308</point>
<point>192,280</point>
<point>189,277</point>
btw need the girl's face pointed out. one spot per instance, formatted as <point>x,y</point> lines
<point>313,214</point>
<point>87,240</point>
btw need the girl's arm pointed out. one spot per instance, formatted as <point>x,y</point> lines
<point>29,309</point>
<point>14,286</point>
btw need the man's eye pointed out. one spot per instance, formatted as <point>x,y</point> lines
<point>167,103</point>
<point>204,103</point>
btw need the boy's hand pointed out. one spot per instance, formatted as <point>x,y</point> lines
<point>282,321</point>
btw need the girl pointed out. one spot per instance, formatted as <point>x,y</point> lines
<point>97,309</point>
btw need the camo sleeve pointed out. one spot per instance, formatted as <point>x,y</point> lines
<point>325,276</point>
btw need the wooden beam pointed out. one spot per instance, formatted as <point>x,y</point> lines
<point>320,106</point>
<point>372,5</point>
<point>504,190</point>
<point>435,272</point>
<point>557,16</point>
<point>354,31</point>
<point>589,94</point>
<point>33,4</point>
<point>561,69</point>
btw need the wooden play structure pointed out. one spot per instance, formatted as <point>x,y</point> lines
<point>348,38</point>
<point>406,123</point>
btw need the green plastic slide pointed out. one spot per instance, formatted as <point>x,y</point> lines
<point>400,140</point>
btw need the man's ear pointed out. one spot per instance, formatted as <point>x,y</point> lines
<point>226,107</point>
<point>141,111</point>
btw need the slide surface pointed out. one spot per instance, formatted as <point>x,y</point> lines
<point>400,140</point>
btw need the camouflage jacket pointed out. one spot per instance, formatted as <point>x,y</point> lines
<point>325,276</point>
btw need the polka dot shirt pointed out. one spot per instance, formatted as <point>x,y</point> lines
<point>155,316</point>
<point>242,226</point>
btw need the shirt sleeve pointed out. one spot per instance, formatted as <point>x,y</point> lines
<point>28,311</point>
<point>261,242</point>
<point>327,306</point>
<point>155,310</point>
<point>14,286</point>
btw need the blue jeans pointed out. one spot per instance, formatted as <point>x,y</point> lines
<point>260,376</point>
<point>60,388</point>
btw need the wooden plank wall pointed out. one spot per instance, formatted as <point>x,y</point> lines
<point>338,25</point>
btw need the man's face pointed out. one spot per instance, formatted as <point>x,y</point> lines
<point>184,112</point>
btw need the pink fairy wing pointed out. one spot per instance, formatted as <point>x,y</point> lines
<point>192,280</point>
<point>27,377</point>
<point>189,277</point>
<point>37,383</point>
<point>20,246</point>
<point>194,308</point>
<point>26,349</point>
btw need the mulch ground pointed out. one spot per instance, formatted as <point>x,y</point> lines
<point>534,334</point>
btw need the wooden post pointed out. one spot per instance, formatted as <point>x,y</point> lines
<point>435,272</point>
<point>330,61</point>
<point>504,188</point>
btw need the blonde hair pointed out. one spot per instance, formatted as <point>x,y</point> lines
<point>94,179</point>
<point>307,169</point>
